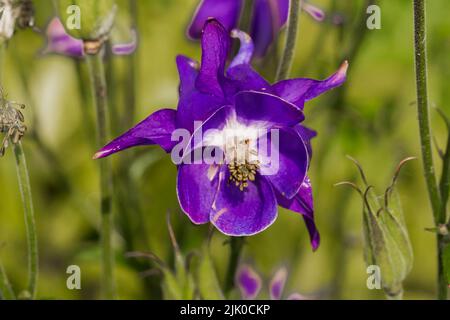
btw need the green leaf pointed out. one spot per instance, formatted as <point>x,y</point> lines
<point>171,287</point>
<point>207,281</point>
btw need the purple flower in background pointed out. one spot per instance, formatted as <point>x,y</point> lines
<point>249,283</point>
<point>239,196</point>
<point>59,42</point>
<point>268,17</point>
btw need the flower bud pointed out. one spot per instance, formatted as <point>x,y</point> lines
<point>86,19</point>
<point>387,243</point>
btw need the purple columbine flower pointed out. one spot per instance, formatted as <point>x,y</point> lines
<point>59,42</point>
<point>249,283</point>
<point>239,198</point>
<point>268,18</point>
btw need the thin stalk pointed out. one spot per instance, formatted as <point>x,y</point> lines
<point>30,224</point>
<point>6,291</point>
<point>130,94</point>
<point>99,90</point>
<point>236,244</point>
<point>287,58</point>
<point>2,59</point>
<point>425,134</point>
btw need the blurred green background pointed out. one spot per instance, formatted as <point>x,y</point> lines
<point>372,118</point>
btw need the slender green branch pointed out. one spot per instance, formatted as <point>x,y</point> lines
<point>425,134</point>
<point>2,61</point>
<point>97,75</point>
<point>27,201</point>
<point>30,224</point>
<point>444,185</point>
<point>6,291</point>
<point>236,244</point>
<point>287,58</point>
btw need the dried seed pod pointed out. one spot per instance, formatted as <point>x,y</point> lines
<point>11,122</point>
<point>25,9</point>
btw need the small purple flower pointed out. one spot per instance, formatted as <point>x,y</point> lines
<point>239,198</point>
<point>249,283</point>
<point>268,18</point>
<point>59,42</point>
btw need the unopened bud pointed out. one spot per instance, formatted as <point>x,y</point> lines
<point>387,242</point>
<point>87,19</point>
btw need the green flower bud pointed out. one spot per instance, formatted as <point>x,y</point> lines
<point>86,19</point>
<point>387,243</point>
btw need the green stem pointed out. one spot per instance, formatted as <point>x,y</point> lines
<point>30,224</point>
<point>130,94</point>
<point>99,89</point>
<point>2,61</point>
<point>285,65</point>
<point>6,291</point>
<point>27,201</point>
<point>236,244</point>
<point>425,133</point>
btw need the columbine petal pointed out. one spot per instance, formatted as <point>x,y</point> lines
<point>225,11</point>
<point>188,72</point>
<point>283,11</point>
<point>125,49</point>
<point>216,121</point>
<point>246,49</point>
<point>277,284</point>
<point>269,16</point>
<point>240,74</point>
<point>266,109</point>
<point>248,282</point>
<point>196,189</point>
<point>303,203</point>
<point>315,12</point>
<point>290,158</point>
<point>243,213</point>
<point>193,105</point>
<point>59,42</point>
<point>298,91</point>
<point>156,129</point>
<point>215,48</point>
<point>307,135</point>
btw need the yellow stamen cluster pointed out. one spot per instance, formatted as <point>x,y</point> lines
<point>242,173</point>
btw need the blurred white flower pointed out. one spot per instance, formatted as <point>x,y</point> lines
<point>8,16</point>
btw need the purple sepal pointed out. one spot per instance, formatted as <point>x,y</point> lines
<point>156,129</point>
<point>59,42</point>
<point>303,203</point>
<point>300,90</point>
<point>227,12</point>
